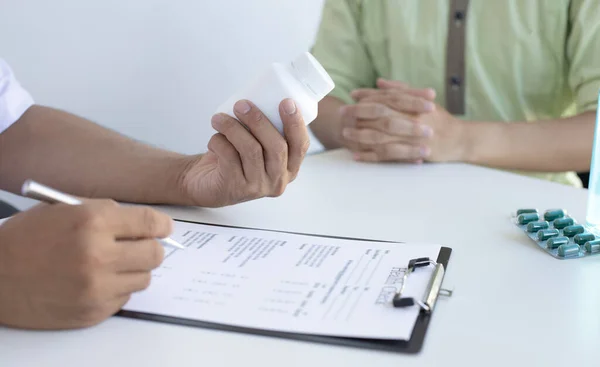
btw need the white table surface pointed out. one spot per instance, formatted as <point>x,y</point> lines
<point>513,304</point>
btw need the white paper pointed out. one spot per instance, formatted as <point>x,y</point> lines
<point>287,283</point>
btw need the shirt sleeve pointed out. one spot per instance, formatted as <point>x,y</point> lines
<point>339,47</point>
<point>583,53</point>
<point>14,100</point>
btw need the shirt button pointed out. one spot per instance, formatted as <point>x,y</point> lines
<point>459,17</point>
<point>455,82</point>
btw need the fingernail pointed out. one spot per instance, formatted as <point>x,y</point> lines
<point>289,107</point>
<point>428,106</point>
<point>425,152</point>
<point>216,120</point>
<point>431,92</point>
<point>343,110</point>
<point>242,107</point>
<point>426,131</point>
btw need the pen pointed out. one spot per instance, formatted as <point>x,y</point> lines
<point>34,190</point>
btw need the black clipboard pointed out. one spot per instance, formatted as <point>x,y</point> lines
<point>412,346</point>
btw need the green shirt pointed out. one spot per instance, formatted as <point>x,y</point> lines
<point>525,60</point>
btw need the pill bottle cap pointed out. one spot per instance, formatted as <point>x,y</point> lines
<point>312,74</point>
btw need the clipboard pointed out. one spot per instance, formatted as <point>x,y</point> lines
<point>412,346</point>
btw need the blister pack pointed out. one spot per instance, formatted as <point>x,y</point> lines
<point>557,233</point>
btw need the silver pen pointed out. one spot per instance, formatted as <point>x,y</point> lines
<point>34,190</point>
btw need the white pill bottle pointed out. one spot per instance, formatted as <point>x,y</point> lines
<point>304,80</point>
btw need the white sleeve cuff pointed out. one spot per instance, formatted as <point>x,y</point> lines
<point>14,99</point>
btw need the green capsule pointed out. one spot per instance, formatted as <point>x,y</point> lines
<point>545,234</point>
<point>592,247</point>
<point>553,214</point>
<point>571,231</point>
<point>557,241</point>
<point>537,226</point>
<point>527,211</point>
<point>582,238</point>
<point>563,222</point>
<point>568,250</point>
<point>528,218</point>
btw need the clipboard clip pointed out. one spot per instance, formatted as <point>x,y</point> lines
<point>433,291</point>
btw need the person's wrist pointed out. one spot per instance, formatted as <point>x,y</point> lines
<point>464,141</point>
<point>337,129</point>
<point>178,190</point>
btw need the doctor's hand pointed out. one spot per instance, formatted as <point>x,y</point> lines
<point>68,267</point>
<point>245,164</point>
<point>397,123</point>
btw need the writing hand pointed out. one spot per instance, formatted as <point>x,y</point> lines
<point>64,267</point>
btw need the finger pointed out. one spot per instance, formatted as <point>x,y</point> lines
<point>126,284</point>
<point>135,256</point>
<point>248,148</point>
<point>391,84</point>
<point>141,222</point>
<point>427,93</point>
<point>402,102</point>
<point>272,144</point>
<point>362,93</point>
<point>354,146</point>
<point>124,222</point>
<point>400,126</point>
<point>296,134</point>
<point>371,157</point>
<point>228,156</point>
<point>365,111</point>
<point>394,153</point>
<point>367,137</point>
<point>120,302</point>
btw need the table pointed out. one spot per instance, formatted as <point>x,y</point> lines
<point>512,305</point>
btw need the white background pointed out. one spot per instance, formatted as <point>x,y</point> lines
<point>154,70</point>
